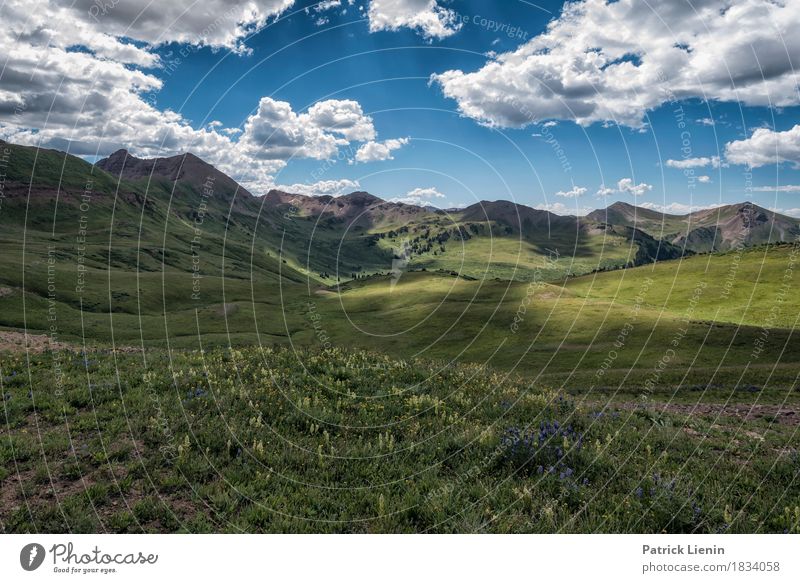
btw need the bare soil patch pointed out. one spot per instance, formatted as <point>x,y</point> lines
<point>783,414</point>
<point>16,342</point>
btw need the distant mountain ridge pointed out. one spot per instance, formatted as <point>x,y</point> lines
<point>715,229</point>
<point>186,168</point>
<point>359,208</point>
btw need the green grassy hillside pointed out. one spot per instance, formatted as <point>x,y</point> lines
<point>359,235</point>
<point>258,440</point>
<point>746,287</point>
<point>713,306</point>
<point>567,333</point>
<point>517,257</point>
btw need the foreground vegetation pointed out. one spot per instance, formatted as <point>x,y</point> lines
<point>275,441</point>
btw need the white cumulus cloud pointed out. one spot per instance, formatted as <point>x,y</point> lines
<point>379,151</point>
<point>428,17</point>
<point>560,208</point>
<point>701,162</point>
<point>344,117</point>
<point>426,193</point>
<point>626,185</point>
<point>766,146</point>
<point>214,23</point>
<point>615,61</point>
<point>276,132</point>
<point>323,187</point>
<point>575,192</point>
<point>792,212</point>
<point>326,5</point>
<point>781,188</point>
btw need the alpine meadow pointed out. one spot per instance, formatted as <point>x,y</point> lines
<point>399,267</point>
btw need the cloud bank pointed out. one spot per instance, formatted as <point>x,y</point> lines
<point>594,64</point>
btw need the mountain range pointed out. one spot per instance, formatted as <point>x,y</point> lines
<point>715,229</point>
<point>164,202</point>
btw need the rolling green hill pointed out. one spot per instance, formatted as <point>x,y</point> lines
<point>358,235</point>
<point>715,309</point>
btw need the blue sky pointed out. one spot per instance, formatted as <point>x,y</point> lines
<point>458,145</point>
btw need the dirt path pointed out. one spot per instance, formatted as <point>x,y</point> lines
<point>788,414</point>
<point>11,341</point>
